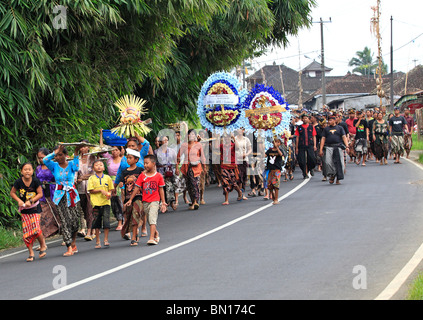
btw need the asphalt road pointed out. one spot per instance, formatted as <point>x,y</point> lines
<point>321,242</point>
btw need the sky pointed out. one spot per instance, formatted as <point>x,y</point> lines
<point>350,31</point>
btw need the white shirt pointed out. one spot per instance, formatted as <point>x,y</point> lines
<point>242,144</point>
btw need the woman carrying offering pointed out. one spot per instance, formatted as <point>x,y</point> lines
<point>65,196</point>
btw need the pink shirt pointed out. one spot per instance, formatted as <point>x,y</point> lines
<point>112,167</point>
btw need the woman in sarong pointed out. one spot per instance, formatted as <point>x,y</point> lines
<point>166,160</point>
<point>113,163</point>
<point>84,172</point>
<point>65,196</point>
<point>203,138</point>
<point>380,138</point>
<point>215,155</point>
<point>50,224</point>
<point>230,173</point>
<point>192,167</point>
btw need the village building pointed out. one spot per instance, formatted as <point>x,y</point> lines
<point>304,88</point>
<point>295,88</point>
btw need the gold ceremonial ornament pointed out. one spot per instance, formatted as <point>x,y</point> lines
<point>131,108</point>
<point>265,118</point>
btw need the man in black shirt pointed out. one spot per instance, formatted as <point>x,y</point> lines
<point>361,137</point>
<point>397,124</point>
<point>334,140</point>
<point>306,146</point>
<point>340,122</point>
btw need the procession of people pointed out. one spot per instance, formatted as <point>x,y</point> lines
<point>76,195</point>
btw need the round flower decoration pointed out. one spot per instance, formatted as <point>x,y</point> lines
<point>266,112</point>
<point>220,103</point>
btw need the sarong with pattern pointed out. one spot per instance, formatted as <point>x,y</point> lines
<point>69,218</point>
<point>133,216</point>
<point>408,142</point>
<point>230,179</point>
<point>274,179</point>
<point>193,185</point>
<point>50,224</point>
<point>31,227</point>
<point>397,145</point>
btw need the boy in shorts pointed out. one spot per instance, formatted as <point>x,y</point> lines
<point>100,186</point>
<point>151,184</point>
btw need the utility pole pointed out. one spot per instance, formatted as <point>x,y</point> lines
<point>323,60</point>
<point>375,27</point>
<point>283,87</point>
<point>300,73</point>
<point>392,70</point>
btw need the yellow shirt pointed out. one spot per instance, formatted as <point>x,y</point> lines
<point>99,183</point>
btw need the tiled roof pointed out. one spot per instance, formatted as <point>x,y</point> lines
<point>414,81</point>
<point>290,81</point>
<point>315,66</point>
<point>351,83</point>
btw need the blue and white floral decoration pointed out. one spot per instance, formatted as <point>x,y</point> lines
<point>271,124</point>
<point>227,114</point>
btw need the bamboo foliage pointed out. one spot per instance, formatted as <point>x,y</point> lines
<point>61,84</point>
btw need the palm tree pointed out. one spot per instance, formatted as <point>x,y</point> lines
<point>364,63</point>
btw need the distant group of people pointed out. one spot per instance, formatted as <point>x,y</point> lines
<point>137,181</point>
<point>361,135</point>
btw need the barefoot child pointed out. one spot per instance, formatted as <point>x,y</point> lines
<point>100,186</point>
<point>275,161</point>
<point>151,183</point>
<point>133,213</point>
<point>29,191</point>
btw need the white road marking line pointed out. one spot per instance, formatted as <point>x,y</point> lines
<point>406,271</point>
<point>402,276</point>
<point>386,294</point>
<point>131,263</point>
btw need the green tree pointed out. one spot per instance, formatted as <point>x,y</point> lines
<point>60,84</point>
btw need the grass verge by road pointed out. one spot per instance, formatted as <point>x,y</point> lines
<point>416,288</point>
<point>10,238</point>
<point>418,146</point>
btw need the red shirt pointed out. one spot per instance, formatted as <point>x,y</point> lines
<point>150,186</point>
<point>305,126</point>
<point>227,156</point>
<point>351,128</point>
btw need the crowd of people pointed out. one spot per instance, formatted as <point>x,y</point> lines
<point>76,196</point>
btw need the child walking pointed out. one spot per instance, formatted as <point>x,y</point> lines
<point>30,191</point>
<point>133,212</point>
<point>275,159</point>
<point>100,186</point>
<point>151,183</point>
